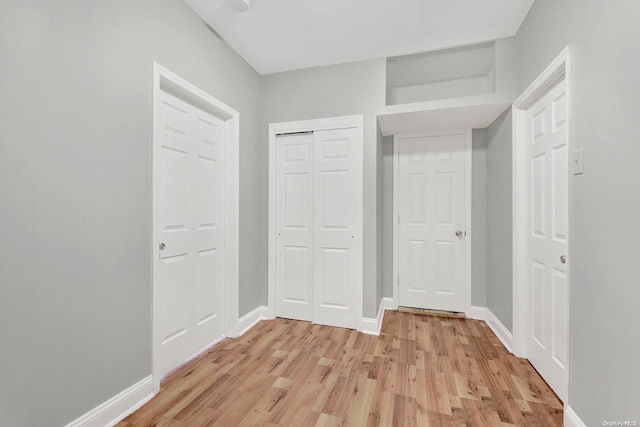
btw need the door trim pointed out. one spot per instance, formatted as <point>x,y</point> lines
<point>167,81</point>
<point>558,70</point>
<point>467,218</point>
<point>276,129</point>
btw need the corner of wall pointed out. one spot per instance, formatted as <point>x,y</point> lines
<point>374,326</point>
<point>571,419</point>
<point>118,407</point>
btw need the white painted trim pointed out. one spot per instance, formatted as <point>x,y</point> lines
<point>468,202</point>
<point>165,80</point>
<point>370,326</point>
<point>519,229</point>
<point>118,407</point>
<point>388,303</point>
<point>560,68</point>
<point>345,122</point>
<point>329,123</point>
<point>250,319</point>
<point>272,242</point>
<point>478,313</point>
<point>468,215</point>
<point>571,419</point>
<point>545,81</point>
<point>500,330</point>
<point>373,326</point>
<point>194,356</point>
<point>396,223</point>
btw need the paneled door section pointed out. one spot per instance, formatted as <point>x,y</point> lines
<point>295,226</point>
<point>318,220</point>
<point>547,137</point>
<point>189,166</point>
<point>431,223</point>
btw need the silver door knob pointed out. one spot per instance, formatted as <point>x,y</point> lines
<point>162,246</point>
<point>460,234</point>
<point>563,259</point>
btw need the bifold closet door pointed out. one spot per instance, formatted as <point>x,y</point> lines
<point>294,258</point>
<point>319,216</point>
<point>337,217</point>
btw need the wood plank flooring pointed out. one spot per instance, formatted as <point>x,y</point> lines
<point>421,371</point>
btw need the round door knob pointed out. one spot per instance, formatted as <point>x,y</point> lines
<point>162,246</point>
<point>459,233</point>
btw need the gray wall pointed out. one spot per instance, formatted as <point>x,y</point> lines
<point>338,90</point>
<point>479,218</point>
<point>604,382</point>
<point>75,191</point>
<point>499,220</point>
<point>387,217</point>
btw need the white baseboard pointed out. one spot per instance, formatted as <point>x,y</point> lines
<point>125,403</point>
<point>477,313</point>
<point>500,330</point>
<point>373,326</point>
<point>250,319</point>
<point>369,326</point>
<point>571,419</point>
<point>392,304</point>
<point>190,359</point>
<point>118,407</point>
<point>483,313</point>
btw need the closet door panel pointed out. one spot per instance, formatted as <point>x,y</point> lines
<point>337,222</point>
<point>295,227</point>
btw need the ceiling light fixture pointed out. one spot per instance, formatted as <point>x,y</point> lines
<point>240,5</point>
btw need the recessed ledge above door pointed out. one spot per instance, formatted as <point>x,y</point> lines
<point>475,112</point>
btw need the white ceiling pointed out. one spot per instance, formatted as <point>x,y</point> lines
<point>282,35</point>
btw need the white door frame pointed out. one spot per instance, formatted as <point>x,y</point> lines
<point>559,69</point>
<point>467,217</point>
<point>276,129</point>
<point>165,80</point>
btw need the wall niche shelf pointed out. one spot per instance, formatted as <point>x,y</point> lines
<point>460,113</point>
<point>466,87</point>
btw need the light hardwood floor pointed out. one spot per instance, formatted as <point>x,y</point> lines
<point>421,371</point>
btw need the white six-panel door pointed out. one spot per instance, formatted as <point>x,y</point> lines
<point>318,218</point>
<point>337,218</point>
<point>431,221</point>
<point>547,346</point>
<point>295,226</point>
<point>188,158</point>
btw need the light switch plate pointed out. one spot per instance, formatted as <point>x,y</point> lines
<point>578,161</point>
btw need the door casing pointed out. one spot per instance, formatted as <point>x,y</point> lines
<point>165,80</point>
<point>559,69</point>
<point>468,213</point>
